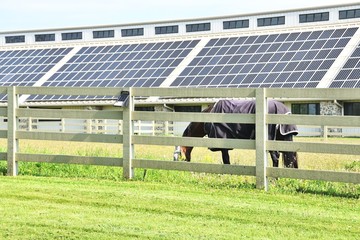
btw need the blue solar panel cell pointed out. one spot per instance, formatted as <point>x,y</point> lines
<point>349,84</point>
<point>303,36</point>
<point>326,34</point>
<point>355,74</point>
<point>342,42</point>
<point>351,63</point>
<point>271,38</point>
<point>338,33</point>
<point>299,56</point>
<point>302,66</point>
<point>350,32</point>
<point>274,47</point>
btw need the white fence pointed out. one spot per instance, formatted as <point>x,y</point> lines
<point>128,138</point>
<point>96,126</point>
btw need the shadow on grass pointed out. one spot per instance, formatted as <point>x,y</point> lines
<point>332,189</point>
<point>216,181</point>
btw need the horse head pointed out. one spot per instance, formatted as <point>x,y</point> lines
<point>182,153</point>
<point>290,159</point>
<point>194,129</point>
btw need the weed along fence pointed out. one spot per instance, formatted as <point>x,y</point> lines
<point>128,140</point>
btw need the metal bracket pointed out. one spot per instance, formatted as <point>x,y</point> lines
<point>123,99</point>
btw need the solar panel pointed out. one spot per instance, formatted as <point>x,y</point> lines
<point>349,75</point>
<point>26,67</point>
<point>298,59</point>
<point>130,65</point>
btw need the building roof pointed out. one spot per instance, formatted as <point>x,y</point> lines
<point>253,14</point>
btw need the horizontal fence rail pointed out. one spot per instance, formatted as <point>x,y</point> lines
<point>49,113</point>
<point>127,125</point>
<point>75,137</point>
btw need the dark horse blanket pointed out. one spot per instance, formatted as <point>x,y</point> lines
<point>246,131</point>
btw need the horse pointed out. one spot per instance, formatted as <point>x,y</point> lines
<point>280,132</point>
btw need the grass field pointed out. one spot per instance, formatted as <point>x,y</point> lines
<point>56,201</point>
<point>61,208</point>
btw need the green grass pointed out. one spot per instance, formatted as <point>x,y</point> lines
<point>243,157</point>
<point>58,201</point>
<point>61,208</point>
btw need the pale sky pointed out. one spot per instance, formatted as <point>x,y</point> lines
<point>18,15</point>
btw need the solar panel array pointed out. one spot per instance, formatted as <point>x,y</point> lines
<point>349,75</point>
<point>131,65</point>
<point>25,67</point>
<point>298,59</point>
<point>294,60</point>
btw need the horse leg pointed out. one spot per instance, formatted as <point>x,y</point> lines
<point>275,158</point>
<point>275,155</point>
<point>225,156</point>
<point>187,153</point>
<point>296,161</point>
<point>290,159</point>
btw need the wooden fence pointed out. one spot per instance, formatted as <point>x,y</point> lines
<point>13,112</point>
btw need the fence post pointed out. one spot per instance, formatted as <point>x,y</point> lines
<point>261,137</point>
<point>13,144</point>
<point>153,126</point>
<point>128,130</point>
<point>325,132</point>
<point>62,125</point>
<point>166,128</point>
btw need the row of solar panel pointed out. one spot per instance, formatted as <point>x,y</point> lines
<point>118,74</point>
<point>284,37</point>
<point>258,67</point>
<point>294,79</point>
<point>276,47</point>
<point>110,66</point>
<point>155,46</point>
<point>115,57</point>
<point>20,79</point>
<point>34,52</point>
<point>265,58</point>
<point>123,82</point>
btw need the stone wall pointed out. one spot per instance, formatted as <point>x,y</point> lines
<point>330,108</point>
<point>333,109</point>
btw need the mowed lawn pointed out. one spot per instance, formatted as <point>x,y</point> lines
<point>70,208</point>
